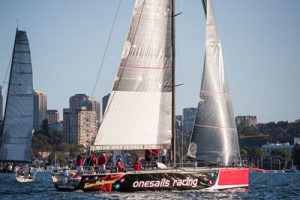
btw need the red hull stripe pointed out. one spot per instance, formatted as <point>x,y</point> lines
<point>203,126</point>
<point>234,176</point>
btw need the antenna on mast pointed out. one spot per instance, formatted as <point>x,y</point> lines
<point>18,24</point>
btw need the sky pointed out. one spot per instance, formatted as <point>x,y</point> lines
<point>260,41</point>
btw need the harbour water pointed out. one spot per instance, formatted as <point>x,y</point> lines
<point>268,185</point>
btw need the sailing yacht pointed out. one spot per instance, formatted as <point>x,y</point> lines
<point>16,135</point>
<point>141,110</point>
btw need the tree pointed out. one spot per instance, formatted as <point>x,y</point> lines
<point>46,141</point>
<point>279,153</point>
<point>255,155</point>
<point>244,154</point>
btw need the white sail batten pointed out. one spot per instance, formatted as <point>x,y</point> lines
<point>214,137</point>
<point>18,117</point>
<point>139,111</point>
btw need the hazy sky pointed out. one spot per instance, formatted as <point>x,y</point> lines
<point>260,39</point>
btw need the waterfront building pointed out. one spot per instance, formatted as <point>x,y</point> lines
<point>246,121</point>
<point>52,116</point>
<point>39,108</point>
<point>53,120</point>
<point>86,126</point>
<point>269,147</point>
<point>296,140</point>
<point>67,126</point>
<point>57,126</point>
<point>188,119</point>
<point>76,103</point>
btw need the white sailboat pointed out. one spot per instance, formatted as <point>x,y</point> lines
<point>16,137</point>
<point>141,110</point>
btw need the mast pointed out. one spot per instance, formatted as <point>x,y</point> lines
<point>173,141</point>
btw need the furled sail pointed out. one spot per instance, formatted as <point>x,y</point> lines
<point>139,111</point>
<point>214,137</point>
<point>18,117</point>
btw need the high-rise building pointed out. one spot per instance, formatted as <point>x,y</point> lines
<point>1,103</point>
<point>52,116</point>
<point>53,120</point>
<point>76,102</point>
<point>39,108</point>
<point>86,125</point>
<point>67,126</point>
<point>189,115</point>
<point>96,107</point>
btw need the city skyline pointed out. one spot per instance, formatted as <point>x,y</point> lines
<point>68,38</point>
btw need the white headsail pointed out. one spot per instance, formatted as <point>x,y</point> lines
<point>139,111</point>
<point>18,118</point>
<point>214,137</point>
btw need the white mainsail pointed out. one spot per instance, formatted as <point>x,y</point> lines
<point>18,118</point>
<point>214,137</point>
<point>139,111</point>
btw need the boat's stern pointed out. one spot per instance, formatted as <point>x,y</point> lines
<point>232,178</point>
<point>64,182</point>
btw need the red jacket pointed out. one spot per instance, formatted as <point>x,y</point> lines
<point>147,152</point>
<point>137,166</point>
<point>79,161</point>
<point>119,166</point>
<point>155,152</point>
<point>94,160</point>
<point>102,160</point>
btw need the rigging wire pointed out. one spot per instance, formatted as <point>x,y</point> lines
<point>106,48</point>
<point>6,73</point>
<point>181,6</point>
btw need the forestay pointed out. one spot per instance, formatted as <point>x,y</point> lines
<point>214,137</point>
<point>18,117</point>
<point>139,111</point>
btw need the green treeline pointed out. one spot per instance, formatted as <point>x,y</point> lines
<point>251,139</point>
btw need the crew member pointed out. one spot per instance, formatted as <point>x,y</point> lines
<point>94,161</point>
<point>79,163</point>
<point>137,166</point>
<point>155,153</point>
<point>147,157</point>
<point>163,154</point>
<point>119,166</point>
<point>102,163</point>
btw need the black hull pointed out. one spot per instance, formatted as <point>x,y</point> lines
<point>132,182</point>
<point>156,180</point>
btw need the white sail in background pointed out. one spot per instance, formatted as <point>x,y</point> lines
<point>214,137</point>
<point>18,117</point>
<point>139,111</point>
